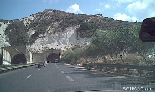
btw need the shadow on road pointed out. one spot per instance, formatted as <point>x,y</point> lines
<point>107,77</point>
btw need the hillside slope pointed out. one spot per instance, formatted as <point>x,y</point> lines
<point>54,29</point>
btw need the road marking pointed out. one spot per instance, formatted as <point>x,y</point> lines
<point>38,69</point>
<point>69,78</point>
<point>93,70</point>
<point>62,71</point>
<point>56,66</point>
<point>67,64</point>
<point>79,67</point>
<point>83,69</point>
<point>94,73</point>
<point>28,76</point>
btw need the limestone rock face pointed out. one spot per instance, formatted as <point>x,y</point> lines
<point>54,29</point>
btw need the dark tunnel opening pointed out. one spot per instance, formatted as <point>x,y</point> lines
<point>19,58</point>
<point>53,58</point>
<point>1,57</point>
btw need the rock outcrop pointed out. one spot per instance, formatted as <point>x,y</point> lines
<point>54,29</point>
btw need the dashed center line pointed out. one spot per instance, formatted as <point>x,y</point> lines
<point>69,78</point>
<point>62,71</point>
<point>28,76</point>
<point>56,66</point>
<point>67,64</point>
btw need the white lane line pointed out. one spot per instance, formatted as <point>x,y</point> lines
<point>93,70</point>
<point>69,78</point>
<point>62,71</point>
<point>56,66</point>
<point>79,67</point>
<point>67,64</point>
<point>94,73</point>
<point>28,76</point>
<point>83,69</point>
<point>38,69</point>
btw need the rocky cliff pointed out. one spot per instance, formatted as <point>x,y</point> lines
<point>54,29</point>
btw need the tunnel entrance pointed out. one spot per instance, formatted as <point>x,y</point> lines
<point>1,57</point>
<point>19,58</point>
<point>53,58</point>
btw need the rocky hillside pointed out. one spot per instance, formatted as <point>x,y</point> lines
<point>54,29</point>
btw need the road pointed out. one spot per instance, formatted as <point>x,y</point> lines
<point>60,77</point>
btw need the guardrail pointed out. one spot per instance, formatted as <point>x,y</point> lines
<point>10,68</point>
<point>120,68</point>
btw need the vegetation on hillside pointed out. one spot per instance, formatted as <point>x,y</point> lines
<point>113,43</point>
<point>17,33</point>
<point>58,21</point>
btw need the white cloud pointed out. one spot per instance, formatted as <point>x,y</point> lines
<point>124,1</point>
<point>107,6</point>
<point>101,3</point>
<point>124,17</point>
<point>142,9</point>
<point>98,10</point>
<point>74,9</point>
<point>50,1</point>
<point>136,6</point>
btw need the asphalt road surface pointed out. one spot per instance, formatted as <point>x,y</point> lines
<point>60,77</point>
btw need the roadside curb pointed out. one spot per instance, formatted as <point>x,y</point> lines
<point>11,68</point>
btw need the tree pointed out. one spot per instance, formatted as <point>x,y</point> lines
<point>113,42</point>
<point>68,56</point>
<point>17,33</point>
<point>137,46</point>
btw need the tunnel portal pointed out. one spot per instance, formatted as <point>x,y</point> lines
<point>53,58</point>
<point>1,57</point>
<point>19,58</point>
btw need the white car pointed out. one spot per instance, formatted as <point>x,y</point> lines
<point>56,60</point>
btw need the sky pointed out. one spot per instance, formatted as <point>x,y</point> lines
<point>126,10</point>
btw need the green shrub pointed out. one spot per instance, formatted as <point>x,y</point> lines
<point>68,56</point>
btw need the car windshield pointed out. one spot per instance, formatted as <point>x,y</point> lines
<point>77,45</point>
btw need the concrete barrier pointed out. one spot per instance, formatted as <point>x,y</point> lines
<point>14,67</point>
<point>3,70</point>
<point>10,68</point>
<point>25,66</point>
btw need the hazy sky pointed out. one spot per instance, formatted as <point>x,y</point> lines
<point>127,10</point>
